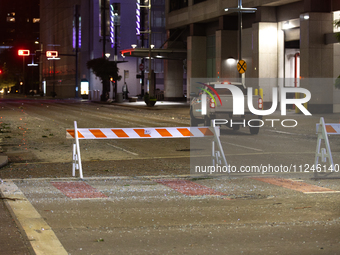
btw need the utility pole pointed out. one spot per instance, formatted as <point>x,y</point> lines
<point>151,80</point>
<point>142,23</point>
<point>77,47</point>
<point>103,4</point>
<point>240,9</point>
<point>106,82</point>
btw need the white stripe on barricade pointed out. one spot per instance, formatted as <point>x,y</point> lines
<point>143,133</point>
<point>128,133</point>
<point>323,130</point>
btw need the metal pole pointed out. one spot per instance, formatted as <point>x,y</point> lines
<point>239,31</point>
<point>77,49</point>
<point>23,73</point>
<point>104,26</point>
<point>40,69</point>
<point>151,90</point>
<point>142,22</point>
<point>53,78</point>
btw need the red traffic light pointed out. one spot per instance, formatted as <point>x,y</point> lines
<point>23,52</point>
<point>52,54</point>
<point>0,71</point>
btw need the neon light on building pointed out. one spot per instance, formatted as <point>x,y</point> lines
<point>138,18</point>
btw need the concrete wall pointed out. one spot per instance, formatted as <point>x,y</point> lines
<point>196,58</point>
<point>317,61</point>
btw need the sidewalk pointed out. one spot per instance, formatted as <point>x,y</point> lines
<point>11,239</point>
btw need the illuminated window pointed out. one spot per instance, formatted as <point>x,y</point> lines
<point>10,19</point>
<point>28,20</point>
<point>36,20</point>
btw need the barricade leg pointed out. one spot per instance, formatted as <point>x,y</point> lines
<point>74,157</point>
<point>218,155</point>
<point>78,150</point>
<point>324,153</point>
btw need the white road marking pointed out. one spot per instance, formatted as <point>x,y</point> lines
<point>122,149</point>
<point>282,132</point>
<point>40,234</point>
<point>245,147</point>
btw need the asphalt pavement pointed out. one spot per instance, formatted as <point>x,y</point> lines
<point>13,239</point>
<point>237,214</point>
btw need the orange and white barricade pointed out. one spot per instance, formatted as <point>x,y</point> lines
<point>143,133</point>
<point>323,130</point>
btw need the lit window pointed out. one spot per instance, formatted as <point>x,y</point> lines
<point>10,19</point>
<point>36,20</point>
<point>28,20</point>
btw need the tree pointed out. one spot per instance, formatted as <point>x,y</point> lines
<point>7,79</point>
<point>104,70</point>
<point>11,68</point>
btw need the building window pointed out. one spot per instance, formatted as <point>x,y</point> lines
<point>36,20</point>
<point>178,4</point>
<point>158,19</point>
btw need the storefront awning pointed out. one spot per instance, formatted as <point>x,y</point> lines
<point>175,54</point>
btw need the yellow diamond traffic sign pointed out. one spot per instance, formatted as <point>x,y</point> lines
<point>241,66</point>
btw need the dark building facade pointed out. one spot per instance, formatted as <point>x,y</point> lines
<point>284,43</point>
<point>20,29</point>
<point>76,27</point>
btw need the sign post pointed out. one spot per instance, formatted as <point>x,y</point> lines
<point>23,53</point>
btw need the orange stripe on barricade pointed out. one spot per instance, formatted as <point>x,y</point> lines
<point>330,129</point>
<point>206,131</point>
<point>119,132</point>
<point>163,132</point>
<point>295,185</point>
<point>185,131</point>
<point>97,133</point>
<point>141,132</point>
<point>71,132</point>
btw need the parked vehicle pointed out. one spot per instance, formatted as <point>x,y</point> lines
<point>215,110</point>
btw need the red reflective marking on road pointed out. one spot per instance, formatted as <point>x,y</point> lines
<point>78,190</point>
<point>190,188</point>
<point>294,185</point>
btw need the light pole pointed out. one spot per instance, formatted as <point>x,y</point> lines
<point>240,9</point>
<point>23,53</point>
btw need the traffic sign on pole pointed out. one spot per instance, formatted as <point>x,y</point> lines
<point>141,67</point>
<point>23,52</point>
<point>242,66</point>
<point>52,54</point>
